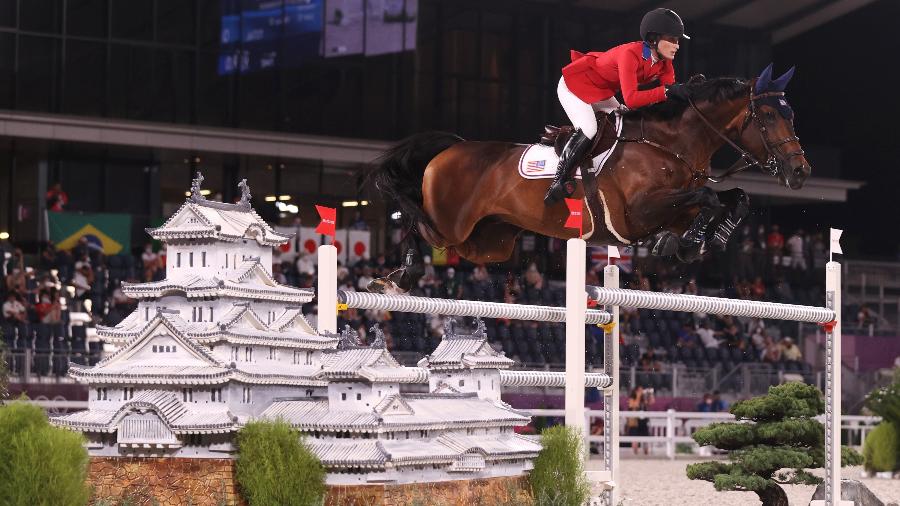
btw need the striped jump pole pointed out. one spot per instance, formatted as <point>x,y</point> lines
<point>450,307</point>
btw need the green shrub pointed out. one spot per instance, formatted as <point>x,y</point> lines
<point>40,464</point>
<point>882,448</point>
<point>275,467</point>
<point>558,477</point>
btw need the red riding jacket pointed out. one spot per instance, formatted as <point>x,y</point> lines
<point>596,76</point>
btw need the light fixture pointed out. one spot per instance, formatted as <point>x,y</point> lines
<point>271,198</point>
<point>284,197</point>
<point>364,203</point>
<point>4,236</point>
<point>349,203</point>
<point>205,192</point>
<point>396,215</point>
<point>293,209</point>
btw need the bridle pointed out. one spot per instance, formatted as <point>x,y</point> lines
<point>775,160</point>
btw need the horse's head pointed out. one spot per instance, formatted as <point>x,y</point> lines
<point>769,133</point>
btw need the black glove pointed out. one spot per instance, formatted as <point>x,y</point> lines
<point>678,92</point>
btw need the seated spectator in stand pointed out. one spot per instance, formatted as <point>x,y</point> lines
<point>790,351</point>
<point>83,280</point>
<point>452,287</point>
<point>782,291</point>
<point>718,405</point>
<point>772,352</point>
<point>305,264</point>
<point>758,289</point>
<point>706,404</point>
<point>49,310</point>
<point>480,282</point>
<point>707,335</point>
<point>16,314</point>
<point>56,198</point>
<point>362,282</point>
<point>775,244</point>
<point>687,337</point>
<point>149,258</point>
<point>731,334</point>
<point>649,362</point>
<point>358,222</point>
<point>758,338</point>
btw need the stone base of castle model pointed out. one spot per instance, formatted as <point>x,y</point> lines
<point>211,482</point>
<point>164,481</point>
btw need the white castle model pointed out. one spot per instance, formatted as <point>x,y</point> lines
<point>219,343</point>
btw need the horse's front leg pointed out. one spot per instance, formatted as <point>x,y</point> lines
<point>689,212</point>
<point>737,207</point>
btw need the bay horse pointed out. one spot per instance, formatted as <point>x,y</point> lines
<point>469,196</point>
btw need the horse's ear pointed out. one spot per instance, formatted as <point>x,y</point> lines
<point>762,83</point>
<point>781,83</point>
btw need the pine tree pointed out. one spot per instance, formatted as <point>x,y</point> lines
<point>773,432</point>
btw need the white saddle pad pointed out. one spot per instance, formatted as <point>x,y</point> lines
<point>540,162</point>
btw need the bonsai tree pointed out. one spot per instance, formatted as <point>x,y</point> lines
<point>558,477</point>
<point>882,446</point>
<point>775,431</point>
<point>275,466</point>
<point>40,464</point>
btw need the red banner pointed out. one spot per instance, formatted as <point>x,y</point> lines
<point>329,218</point>
<point>575,208</point>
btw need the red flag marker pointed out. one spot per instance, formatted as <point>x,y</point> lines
<point>574,221</point>
<point>329,219</point>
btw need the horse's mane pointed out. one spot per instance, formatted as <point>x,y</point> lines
<point>712,90</point>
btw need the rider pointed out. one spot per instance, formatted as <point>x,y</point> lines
<point>591,81</point>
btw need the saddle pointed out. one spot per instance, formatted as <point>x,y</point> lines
<point>557,136</point>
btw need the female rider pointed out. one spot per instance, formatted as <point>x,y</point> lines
<point>590,83</point>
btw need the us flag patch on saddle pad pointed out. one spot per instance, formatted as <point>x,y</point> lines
<point>539,161</point>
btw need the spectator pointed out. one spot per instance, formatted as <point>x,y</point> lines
<point>707,335</point>
<point>687,337</point>
<point>358,222</point>
<point>706,404</point>
<point>452,288</point>
<point>15,313</point>
<point>639,401</point>
<point>83,281</point>
<point>775,242</point>
<point>49,310</point>
<point>56,198</point>
<point>648,362</point>
<point>796,251</point>
<point>305,264</point>
<point>772,352</point>
<point>718,405</point>
<point>790,351</point>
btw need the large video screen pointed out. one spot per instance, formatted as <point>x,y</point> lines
<point>261,34</point>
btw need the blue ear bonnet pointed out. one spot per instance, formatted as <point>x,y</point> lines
<point>765,84</point>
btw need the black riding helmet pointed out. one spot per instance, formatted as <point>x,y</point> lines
<point>664,22</point>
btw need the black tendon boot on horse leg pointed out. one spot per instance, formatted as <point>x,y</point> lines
<point>690,245</point>
<point>401,280</point>
<point>737,204</point>
<point>563,184</point>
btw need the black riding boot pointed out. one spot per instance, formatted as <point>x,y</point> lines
<point>563,184</point>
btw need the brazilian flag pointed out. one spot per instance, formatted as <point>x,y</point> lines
<point>109,232</point>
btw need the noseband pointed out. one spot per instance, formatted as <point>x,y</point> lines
<point>775,159</point>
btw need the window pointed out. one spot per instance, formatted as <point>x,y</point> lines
<point>226,260</point>
<point>154,348</point>
<point>297,356</point>
<point>147,313</point>
<point>177,259</point>
<point>127,393</point>
<point>309,393</point>
<point>462,383</point>
<point>194,314</point>
<point>187,394</point>
<point>272,353</point>
<point>308,358</point>
<point>248,354</point>
<point>211,314</point>
<point>246,398</point>
<point>479,384</point>
<point>344,396</point>
<point>191,259</point>
<point>359,397</point>
<point>215,395</point>
<point>234,353</point>
<point>203,259</point>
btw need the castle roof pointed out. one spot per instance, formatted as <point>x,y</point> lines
<point>458,350</point>
<point>250,280</point>
<point>199,218</point>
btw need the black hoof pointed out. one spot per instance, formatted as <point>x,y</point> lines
<point>666,245</point>
<point>689,253</point>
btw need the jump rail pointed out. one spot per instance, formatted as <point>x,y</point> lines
<point>712,305</point>
<point>411,304</point>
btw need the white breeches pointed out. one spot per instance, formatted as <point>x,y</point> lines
<point>582,113</point>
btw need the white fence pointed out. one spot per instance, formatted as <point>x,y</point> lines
<point>670,427</point>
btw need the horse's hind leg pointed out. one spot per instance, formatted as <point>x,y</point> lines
<point>490,241</point>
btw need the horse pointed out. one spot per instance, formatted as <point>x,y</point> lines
<point>468,195</point>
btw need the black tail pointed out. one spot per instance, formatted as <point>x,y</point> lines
<point>399,171</point>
